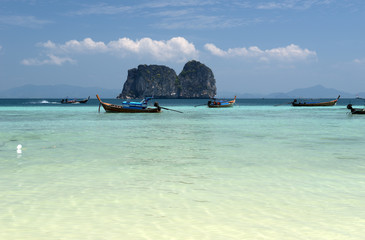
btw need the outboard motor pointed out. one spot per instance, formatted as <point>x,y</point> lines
<point>157,105</point>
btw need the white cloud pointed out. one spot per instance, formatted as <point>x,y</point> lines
<point>86,45</point>
<point>216,51</point>
<point>185,14</point>
<point>102,9</point>
<point>23,21</point>
<point>107,9</point>
<point>289,53</point>
<point>177,48</point>
<point>191,20</point>
<point>291,4</point>
<point>52,60</point>
<point>359,61</point>
<point>185,3</point>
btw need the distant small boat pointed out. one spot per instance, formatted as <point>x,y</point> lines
<point>356,110</point>
<point>130,107</point>
<point>219,103</point>
<point>66,100</point>
<point>295,103</point>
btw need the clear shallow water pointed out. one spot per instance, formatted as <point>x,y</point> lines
<point>254,171</point>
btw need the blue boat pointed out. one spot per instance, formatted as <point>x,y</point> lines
<point>130,107</point>
<point>136,105</point>
<point>219,103</point>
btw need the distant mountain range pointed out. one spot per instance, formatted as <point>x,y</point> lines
<point>63,91</point>
<point>58,91</point>
<point>317,91</point>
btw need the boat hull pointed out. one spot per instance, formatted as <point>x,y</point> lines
<point>326,104</point>
<point>65,101</point>
<point>318,104</point>
<point>356,110</point>
<point>113,108</point>
<point>118,108</point>
<point>221,104</point>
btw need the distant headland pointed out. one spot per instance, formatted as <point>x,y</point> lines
<point>62,91</point>
<point>195,81</point>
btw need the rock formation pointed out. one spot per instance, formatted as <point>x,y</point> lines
<point>195,81</point>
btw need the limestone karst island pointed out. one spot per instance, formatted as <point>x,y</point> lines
<point>195,81</point>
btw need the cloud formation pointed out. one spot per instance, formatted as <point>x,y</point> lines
<point>356,61</point>
<point>175,49</point>
<point>198,14</point>
<point>52,60</point>
<point>147,7</point>
<point>23,21</point>
<point>102,9</point>
<point>291,52</point>
<point>284,4</point>
<point>185,14</point>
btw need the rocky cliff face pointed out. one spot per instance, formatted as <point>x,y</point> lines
<point>195,81</point>
<point>152,80</point>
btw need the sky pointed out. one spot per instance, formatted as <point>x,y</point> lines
<point>252,46</point>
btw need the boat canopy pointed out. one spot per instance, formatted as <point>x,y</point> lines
<point>141,104</point>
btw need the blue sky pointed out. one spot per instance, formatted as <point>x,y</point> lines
<point>251,46</point>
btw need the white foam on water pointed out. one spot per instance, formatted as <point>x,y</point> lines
<point>44,102</point>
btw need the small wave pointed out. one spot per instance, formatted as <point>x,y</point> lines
<point>44,102</point>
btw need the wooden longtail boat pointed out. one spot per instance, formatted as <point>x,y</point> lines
<point>133,107</point>
<point>221,103</point>
<point>356,110</point>
<point>75,100</point>
<point>295,103</point>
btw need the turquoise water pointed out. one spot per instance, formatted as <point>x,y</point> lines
<point>255,171</point>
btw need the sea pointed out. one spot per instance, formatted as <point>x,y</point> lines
<point>259,170</point>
